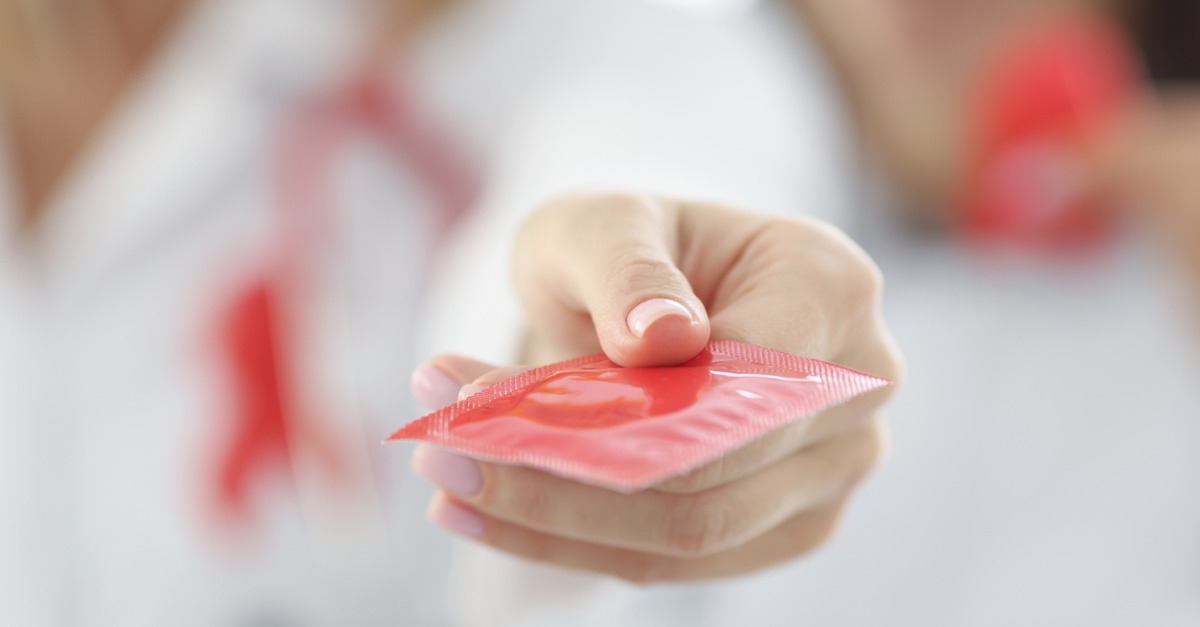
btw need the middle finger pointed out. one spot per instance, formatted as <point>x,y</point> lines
<point>654,521</point>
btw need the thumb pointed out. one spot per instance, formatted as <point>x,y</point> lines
<point>608,260</point>
<point>439,382</point>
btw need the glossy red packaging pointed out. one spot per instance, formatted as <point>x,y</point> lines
<point>626,429</point>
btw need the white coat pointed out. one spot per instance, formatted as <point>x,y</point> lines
<point>117,398</point>
<point>1046,451</point>
<point>1003,504</point>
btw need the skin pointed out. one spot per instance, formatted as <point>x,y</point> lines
<point>1150,165</point>
<point>581,265</point>
<point>64,66</point>
<point>908,69</point>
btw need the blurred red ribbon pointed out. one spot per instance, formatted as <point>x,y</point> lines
<point>1048,92</point>
<point>268,424</point>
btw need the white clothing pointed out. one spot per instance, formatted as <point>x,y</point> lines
<point>116,395</point>
<point>1046,447</point>
<point>113,399</point>
<point>119,403</point>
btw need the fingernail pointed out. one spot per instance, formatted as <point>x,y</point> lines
<point>470,390</point>
<point>646,314</point>
<point>455,518</point>
<point>453,473</point>
<point>433,388</point>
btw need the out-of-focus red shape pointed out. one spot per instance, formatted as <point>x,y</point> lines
<point>261,439</point>
<point>268,424</point>
<point>417,140</point>
<point>626,429</point>
<point>1050,91</point>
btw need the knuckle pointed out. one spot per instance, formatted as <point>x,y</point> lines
<point>546,215</point>
<point>697,480</point>
<point>609,210</point>
<point>861,276</point>
<point>531,506</point>
<point>873,445</point>
<point>584,210</point>
<point>641,269</point>
<point>879,445</point>
<point>826,251</point>
<point>816,535</point>
<point>699,524</point>
<point>625,204</point>
<point>867,276</point>
<point>891,366</point>
<point>873,350</point>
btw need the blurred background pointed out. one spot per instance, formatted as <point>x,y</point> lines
<point>230,228</point>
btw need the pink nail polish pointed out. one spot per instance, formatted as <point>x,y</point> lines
<point>433,388</point>
<point>456,518</point>
<point>453,473</point>
<point>646,314</point>
<point>470,390</point>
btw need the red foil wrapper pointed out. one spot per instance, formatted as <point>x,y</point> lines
<point>626,429</point>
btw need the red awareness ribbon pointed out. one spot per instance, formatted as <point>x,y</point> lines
<point>1052,89</point>
<point>256,327</point>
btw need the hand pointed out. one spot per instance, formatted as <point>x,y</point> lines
<point>649,281</point>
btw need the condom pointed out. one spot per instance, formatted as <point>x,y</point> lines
<point>627,429</point>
